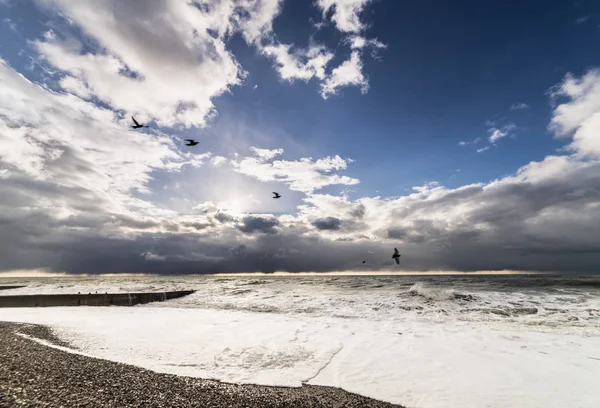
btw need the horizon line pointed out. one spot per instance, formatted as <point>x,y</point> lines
<point>40,273</point>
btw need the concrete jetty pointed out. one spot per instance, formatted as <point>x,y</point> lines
<point>91,299</point>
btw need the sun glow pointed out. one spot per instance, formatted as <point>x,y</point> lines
<point>233,207</point>
<point>238,205</point>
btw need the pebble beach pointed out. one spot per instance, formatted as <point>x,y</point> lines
<point>34,375</point>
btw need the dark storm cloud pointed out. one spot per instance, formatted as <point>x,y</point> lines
<point>550,224</point>
<point>328,224</point>
<point>32,242</point>
<point>196,225</point>
<point>20,190</point>
<point>259,224</point>
<point>224,218</point>
<point>359,211</point>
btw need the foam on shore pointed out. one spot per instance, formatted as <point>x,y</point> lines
<point>419,364</point>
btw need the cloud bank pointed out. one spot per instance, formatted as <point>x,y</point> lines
<point>76,184</point>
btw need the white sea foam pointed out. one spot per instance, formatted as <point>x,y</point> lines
<point>417,364</point>
<point>419,344</point>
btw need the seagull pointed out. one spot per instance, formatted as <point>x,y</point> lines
<point>191,142</point>
<point>396,256</point>
<point>364,261</point>
<point>276,195</point>
<point>137,125</point>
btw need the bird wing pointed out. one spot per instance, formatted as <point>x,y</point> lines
<point>189,140</point>
<point>397,260</point>
<point>135,121</point>
<point>396,252</point>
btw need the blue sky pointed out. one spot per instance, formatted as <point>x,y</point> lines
<point>447,70</point>
<point>446,96</point>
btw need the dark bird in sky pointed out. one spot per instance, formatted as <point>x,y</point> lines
<point>396,256</point>
<point>276,195</point>
<point>364,261</point>
<point>191,142</point>
<point>137,124</point>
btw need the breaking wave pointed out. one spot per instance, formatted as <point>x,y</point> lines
<point>539,301</point>
<point>439,294</point>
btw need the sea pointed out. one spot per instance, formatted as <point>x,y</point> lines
<point>422,341</point>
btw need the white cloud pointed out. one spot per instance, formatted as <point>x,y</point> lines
<point>519,106</point>
<point>305,175</point>
<point>529,208</point>
<point>254,18</point>
<point>302,64</point>
<point>266,154</point>
<point>70,158</point>
<point>162,60</point>
<point>218,161</point>
<point>579,116</point>
<point>358,42</point>
<point>75,86</point>
<point>348,73</point>
<point>312,62</point>
<point>11,24</point>
<point>170,69</point>
<point>474,142</point>
<point>483,149</point>
<point>149,256</point>
<point>497,133</point>
<point>346,13</point>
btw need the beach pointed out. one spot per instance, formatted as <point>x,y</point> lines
<point>414,341</point>
<point>34,375</point>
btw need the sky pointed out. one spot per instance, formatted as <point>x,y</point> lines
<point>466,134</point>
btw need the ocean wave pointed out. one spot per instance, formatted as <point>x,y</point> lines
<point>253,282</point>
<point>438,294</point>
<point>504,311</point>
<point>241,291</point>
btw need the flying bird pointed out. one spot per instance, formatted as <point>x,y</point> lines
<point>276,195</point>
<point>364,261</point>
<point>191,142</point>
<point>396,256</point>
<point>137,124</point>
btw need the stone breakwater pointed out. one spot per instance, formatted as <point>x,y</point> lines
<point>90,299</point>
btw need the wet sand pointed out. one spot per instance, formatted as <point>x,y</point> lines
<point>33,375</point>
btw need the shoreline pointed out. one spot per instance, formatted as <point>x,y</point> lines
<point>32,374</point>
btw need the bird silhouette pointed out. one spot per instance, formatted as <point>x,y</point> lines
<point>276,195</point>
<point>396,256</point>
<point>191,142</point>
<point>364,261</point>
<point>137,124</point>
